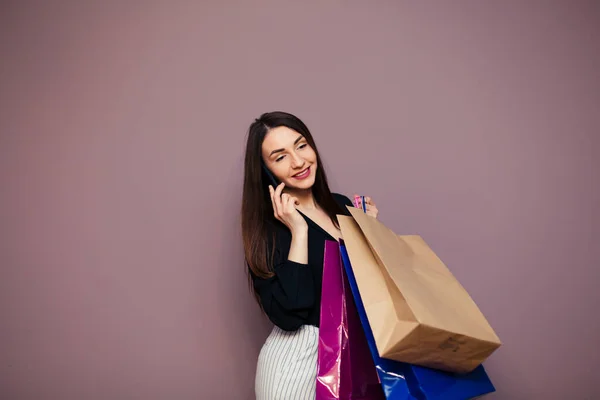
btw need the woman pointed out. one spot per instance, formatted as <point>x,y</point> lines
<point>288,213</point>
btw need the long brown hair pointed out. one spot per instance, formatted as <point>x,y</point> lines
<point>257,209</point>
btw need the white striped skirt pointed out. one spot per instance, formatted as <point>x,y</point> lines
<point>287,365</point>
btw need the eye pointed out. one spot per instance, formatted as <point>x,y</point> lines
<point>303,145</point>
<point>279,158</point>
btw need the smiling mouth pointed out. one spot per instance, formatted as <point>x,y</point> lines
<point>302,174</point>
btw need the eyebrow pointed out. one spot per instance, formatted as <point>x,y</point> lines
<point>280,150</point>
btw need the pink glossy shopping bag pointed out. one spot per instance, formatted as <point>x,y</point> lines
<point>345,368</point>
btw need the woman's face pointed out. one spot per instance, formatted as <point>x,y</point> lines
<point>290,158</point>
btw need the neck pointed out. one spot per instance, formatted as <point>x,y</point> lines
<point>305,198</point>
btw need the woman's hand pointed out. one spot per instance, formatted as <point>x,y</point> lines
<point>284,208</point>
<point>371,207</point>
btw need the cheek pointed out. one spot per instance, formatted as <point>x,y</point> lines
<point>279,169</point>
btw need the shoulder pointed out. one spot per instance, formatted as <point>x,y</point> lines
<point>342,200</point>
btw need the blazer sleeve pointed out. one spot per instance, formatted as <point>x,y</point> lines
<point>289,295</point>
<point>343,201</point>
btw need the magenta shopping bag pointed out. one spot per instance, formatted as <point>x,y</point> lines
<point>345,369</point>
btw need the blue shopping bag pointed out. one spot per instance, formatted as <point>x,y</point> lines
<point>402,381</point>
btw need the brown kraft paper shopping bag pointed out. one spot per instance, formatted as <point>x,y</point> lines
<point>419,313</point>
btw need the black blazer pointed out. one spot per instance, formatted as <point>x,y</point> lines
<point>292,297</point>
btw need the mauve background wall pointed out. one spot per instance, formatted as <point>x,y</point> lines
<point>122,128</point>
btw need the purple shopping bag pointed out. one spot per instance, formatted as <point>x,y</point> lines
<point>345,369</point>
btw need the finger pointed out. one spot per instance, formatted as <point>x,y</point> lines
<point>288,199</point>
<point>279,189</point>
<point>278,194</point>
<point>368,200</point>
<point>273,203</point>
<point>292,203</point>
<point>285,202</point>
<point>373,211</point>
<point>277,207</point>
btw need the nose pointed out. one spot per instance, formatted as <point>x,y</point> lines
<point>297,161</point>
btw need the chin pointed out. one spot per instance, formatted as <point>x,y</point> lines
<point>300,185</point>
<point>304,184</point>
